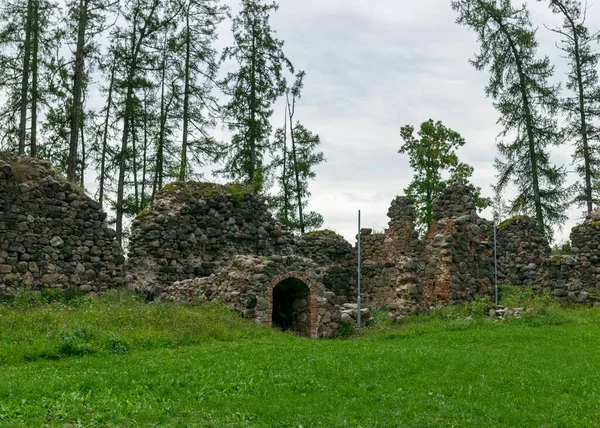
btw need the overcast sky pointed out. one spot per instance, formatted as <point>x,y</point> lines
<point>375,65</point>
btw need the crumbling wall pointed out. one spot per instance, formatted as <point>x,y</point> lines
<point>585,247</point>
<point>575,277</point>
<point>454,262</point>
<point>247,286</point>
<point>51,234</point>
<point>392,263</point>
<point>331,251</point>
<point>522,249</point>
<point>194,229</point>
<point>458,247</point>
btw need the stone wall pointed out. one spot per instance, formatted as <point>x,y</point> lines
<point>392,263</point>
<point>585,246</point>
<point>454,262</point>
<point>522,249</point>
<point>336,255</point>
<point>458,247</point>
<point>250,285</point>
<point>575,277</point>
<point>194,229</point>
<point>51,234</point>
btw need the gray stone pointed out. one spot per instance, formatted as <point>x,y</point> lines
<point>56,241</point>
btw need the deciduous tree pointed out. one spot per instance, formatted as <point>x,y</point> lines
<point>432,155</point>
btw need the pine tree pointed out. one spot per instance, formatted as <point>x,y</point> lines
<point>197,66</point>
<point>253,89</point>
<point>297,162</point>
<point>527,105</point>
<point>29,38</point>
<point>135,45</point>
<point>583,105</point>
<point>296,169</point>
<point>86,19</point>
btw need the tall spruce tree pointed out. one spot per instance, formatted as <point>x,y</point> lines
<point>197,66</point>
<point>86,20</point>
<point>29,39</point>
<point>253,89</point>
<point>527,104</point>
<point>583,105</point>
<point>135,44</point>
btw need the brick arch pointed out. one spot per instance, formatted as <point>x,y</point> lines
<point>314,293</point>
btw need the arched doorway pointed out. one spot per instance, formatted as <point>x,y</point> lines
<point>291,306</point>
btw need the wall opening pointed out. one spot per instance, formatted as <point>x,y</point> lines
<point>291,306</point>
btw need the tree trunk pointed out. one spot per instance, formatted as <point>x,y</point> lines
<point>77,90</point>
<point>186,97</point>
<point>252,131</point>
<point>294,159</point>
<point>34,77</point>
<point>121,180</point>
<point>83,155</point>
<point>529,125</point>
<point>105,135</point>
<point>134,161</point>
<point>144,156</point>
<point>158,177</point>
<point>286,196</point>
<point>25,77</point>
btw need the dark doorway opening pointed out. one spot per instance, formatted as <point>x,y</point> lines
<point>291,308</point>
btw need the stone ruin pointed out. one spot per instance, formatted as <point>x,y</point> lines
<point>521,249</point>
<point>525,259</point>
<point>454,262</point>
<point>203,242</point>
<point>51,234</point>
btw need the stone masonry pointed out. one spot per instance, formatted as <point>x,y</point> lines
<point>51,234</point>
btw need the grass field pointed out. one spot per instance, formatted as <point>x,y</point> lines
<point>119,362</point>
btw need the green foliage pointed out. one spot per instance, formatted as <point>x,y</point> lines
<point>433,158</point>
<point>476,309</point>
<point>144,213</point>
<point>527,105</point>
<point>52,326</point>
<point>252,89</point>
<point>582,106</point>
<point>192,191</point>
<point>326,234</point>
<point>513,219</point>
<point>562,248</point>
<point>296,163</point>
<point>69,297</point>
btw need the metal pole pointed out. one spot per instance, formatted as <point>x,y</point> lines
<point>358,297</point>
<point>495,266</point>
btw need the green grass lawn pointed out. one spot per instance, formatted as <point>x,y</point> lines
<point>119,362</point>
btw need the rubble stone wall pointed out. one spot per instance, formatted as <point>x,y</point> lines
<point>522,249</point>
<point>247,286</point>
<point>454,262</point>
<point>51,234</point>
<point>194,230</point>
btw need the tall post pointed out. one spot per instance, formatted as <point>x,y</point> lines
<point>358,297</point>
<point>495,266</point>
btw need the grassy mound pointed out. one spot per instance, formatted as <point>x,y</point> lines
<point>118,323</point>
<point>326,234</point>
<point>192,191</point>
<point>517,218</point>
